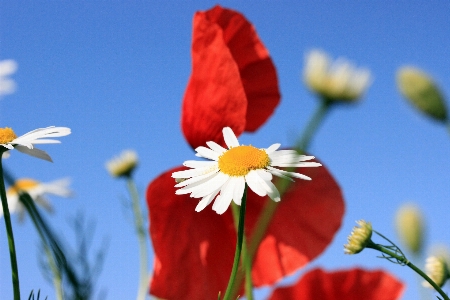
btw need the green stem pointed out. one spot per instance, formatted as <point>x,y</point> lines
<point>245,259</point>
<point>237,254</point>
<point>403,260</point>
<point>9,231</point>
<point>142,237</point>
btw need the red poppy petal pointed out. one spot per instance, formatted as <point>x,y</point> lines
<point>256,68</point>
<point>194,251</point>
<point>354,284</point>
<point>233,81</point>
<point>298,232</point>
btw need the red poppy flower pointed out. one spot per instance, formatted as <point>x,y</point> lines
<point>194,251</point>
<point>233,81</point>
<point>354,284</point>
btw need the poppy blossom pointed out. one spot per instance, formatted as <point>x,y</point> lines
<point>353,284</point>
<point>194,251</point>
<point>233,81</point>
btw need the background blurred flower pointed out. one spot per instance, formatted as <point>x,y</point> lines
<point>437,269</point>
<point>123,165</point>
<point>233,81</point>
<point>7,85</point>
<point>410,227</point>
<point>204,243</point>
<point>422,92</point>
<point>37,191</point>
<point>336,81</point>
<point>353,284</point>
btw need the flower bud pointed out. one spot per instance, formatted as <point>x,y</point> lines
<point>436,268</point>
<point>359,238</point>
<point>422,92</point>
<point>123,165</point>
<point>410,227</point>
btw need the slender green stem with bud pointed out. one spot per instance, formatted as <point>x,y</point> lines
<point>237,254</point>
<point>9,232</point>
<point>394,253</point>
<point>142,237</point>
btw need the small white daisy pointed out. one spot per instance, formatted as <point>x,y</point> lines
<point>26,142</point>
<point>337,81</point>
<point>230,169</point>
<point>37,191</point>
<point>123,165</point>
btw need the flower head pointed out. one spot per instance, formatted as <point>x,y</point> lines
<point>410,227</point>
<point>339,81</point>
<point>26,142</point>
<point>232,168</point>
<point>123,165</point>
<point>37,191</point>
<point>7,67</point>
<point>359,238</point>
<point>437,269</point>
<point>422,92</point>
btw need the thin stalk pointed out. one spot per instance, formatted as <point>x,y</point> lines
<point>142,237</point>
<point>245,259</point>
<point>237,254</point>
<point>403,260</point>
<point>9,232</point>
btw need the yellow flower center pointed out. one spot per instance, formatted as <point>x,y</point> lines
<point>239,161</point>
<point>22,185</point>
<point>7,135</point>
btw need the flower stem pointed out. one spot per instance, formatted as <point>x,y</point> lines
<point>9,231</point>
<point>237,254</point>
<point>245,259</point>
<point>403,260</point>
<point>142,237</point>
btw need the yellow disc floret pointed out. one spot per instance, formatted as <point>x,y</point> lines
<point>22,185</point>
<point>7,135</point>
<point>239,161</point>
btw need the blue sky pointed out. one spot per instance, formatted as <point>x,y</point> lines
<point>115,73</point>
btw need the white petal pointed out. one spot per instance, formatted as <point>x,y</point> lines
<point>194,172</point>
<point>230,138</point>
<point>226,195</point>
<point>206,201</point>
<point>198,164</point>
<point>277,172</point>
<point>207,153</point>
<point>8,146</point>
<point>210,185</point>
<point>253,181</point>
<point>272,148</point>
<point>34,152</point>
<point>286,173</point>
<point>298,165</point>
<point>238,190</point>
<point>195,179</point>
<point>58,187</point>
<point>216,147</point>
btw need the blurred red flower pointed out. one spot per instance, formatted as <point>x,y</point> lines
<point>194,251</point>
<point>354,284</point>
<point>233,81</point>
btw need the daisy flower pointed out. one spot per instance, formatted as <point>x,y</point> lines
<point>123,165</point>
<point>339,80</point>
<point>26,142</point>
<point>231,169</point>
<point>37,191</point>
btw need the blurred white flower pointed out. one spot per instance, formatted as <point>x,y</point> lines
<point>410,227</point>
<point>26,142</point>
<point>7,85</point>
<point>437,269</point>
<point>37,191</point>
<point>122,165</point>
<point>359,238</point>
<point>336,81</point>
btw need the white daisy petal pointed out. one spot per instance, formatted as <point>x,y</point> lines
<point>277,172</point>
<point>208,187</point>
<point>34,152</point>
<point>272,148</point>
<point>230,138</point>
<point>195,179</point>
<point>291,174</point>
<point>206,201</point>
<point>207,153</point>
<point>198,164</point>
<point>223,201</point>
<point>254,183</point>
<point>274,194</point>
<point>216,147</point>
<point>238,190</point>
<point>193,172</point>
